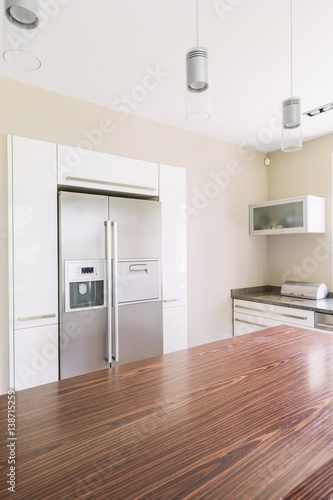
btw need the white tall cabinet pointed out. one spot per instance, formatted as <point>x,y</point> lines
<point>174,262</point>
<point>33,262</point>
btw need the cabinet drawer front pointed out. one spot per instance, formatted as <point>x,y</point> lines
<point>102,171</point>
<point>281,314</point>
<point>247,323</point>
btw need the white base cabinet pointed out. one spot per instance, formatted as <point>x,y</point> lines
<point>252,316</point>
<point>36,356</point>
<point>174,328</point>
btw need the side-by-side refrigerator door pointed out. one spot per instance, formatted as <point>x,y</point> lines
<point>136,270</point>
<point>139,234</point>
<point>83,296</point>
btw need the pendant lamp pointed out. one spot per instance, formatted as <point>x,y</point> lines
<point>291,137</point>
<point>197,92</point>
<point>21,39</point>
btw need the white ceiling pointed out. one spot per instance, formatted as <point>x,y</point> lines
<point>99,51</point>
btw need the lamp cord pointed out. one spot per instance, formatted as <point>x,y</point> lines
<point>197,22</point>
<point>291,47</point>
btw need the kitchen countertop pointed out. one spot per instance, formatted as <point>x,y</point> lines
<point>247,418</point>
<point>272,295</point>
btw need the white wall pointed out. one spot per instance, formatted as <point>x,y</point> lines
<point>221,254</point>
<point>308,171</point>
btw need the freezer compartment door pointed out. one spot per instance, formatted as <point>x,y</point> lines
<point>138,280</point>
<point>140,332</point>
<point>83,342</point>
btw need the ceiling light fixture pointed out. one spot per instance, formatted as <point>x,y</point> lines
<point>291,137</point>
<point>318,111</point>
<point>21,42</point>
<point>197,94</point>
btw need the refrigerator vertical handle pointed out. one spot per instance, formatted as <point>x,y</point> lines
<point>109,288</point>
<point>115,288</point>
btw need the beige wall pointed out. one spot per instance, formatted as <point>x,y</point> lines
<point>221,254</point>
<point>308,171</point>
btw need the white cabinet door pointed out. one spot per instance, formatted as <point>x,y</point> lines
<point>36,356</point>
<point>34,233</point>
<point>174,259</point>
<point>174,328</point>
<point>173,200</point>
<point>101,171</point>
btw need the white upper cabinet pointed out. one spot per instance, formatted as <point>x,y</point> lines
<point>101,171</point>
<point>34,231</point>
<point>173,200</point>
<point>304,214</point>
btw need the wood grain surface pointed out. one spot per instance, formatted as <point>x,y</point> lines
<point>240,419</point>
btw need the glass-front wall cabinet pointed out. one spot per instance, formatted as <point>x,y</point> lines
<point>304,214</point>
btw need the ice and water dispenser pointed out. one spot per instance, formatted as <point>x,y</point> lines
<point>86,287</point>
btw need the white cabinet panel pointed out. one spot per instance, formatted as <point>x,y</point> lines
<point>102,171</point>
<point>173,199</point>
<point>174,328</point>
<point>34,233</point>
<point>174,258</point>
<point>36,356</point>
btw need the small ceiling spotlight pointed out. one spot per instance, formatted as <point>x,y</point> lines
<point>20,34</point>
<point>318,111</point>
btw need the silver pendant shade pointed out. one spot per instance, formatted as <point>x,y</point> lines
<point>197,91</point>
<point>197,69</point>
<point>21,38</point>
<point>291,136</point>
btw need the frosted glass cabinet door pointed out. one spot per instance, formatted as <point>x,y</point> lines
<point>304,214</point>
<point>34,233</point>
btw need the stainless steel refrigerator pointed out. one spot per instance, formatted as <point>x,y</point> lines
<point>110,281</point>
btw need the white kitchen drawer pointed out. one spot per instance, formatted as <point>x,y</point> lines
<point>282,314</point>
<point>247,323</point>
<point>102,171</point>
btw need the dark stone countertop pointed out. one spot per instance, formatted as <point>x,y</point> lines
<point>268,294</point>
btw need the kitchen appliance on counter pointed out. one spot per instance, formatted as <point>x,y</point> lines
<point>304,290</point>
<point>110,281</point>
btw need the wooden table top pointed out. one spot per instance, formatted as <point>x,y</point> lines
<point>239,419</point>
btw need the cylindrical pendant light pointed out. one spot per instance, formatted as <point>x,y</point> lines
<point>197,92</point>
<point>21,40</point>
<point>291,137</point>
